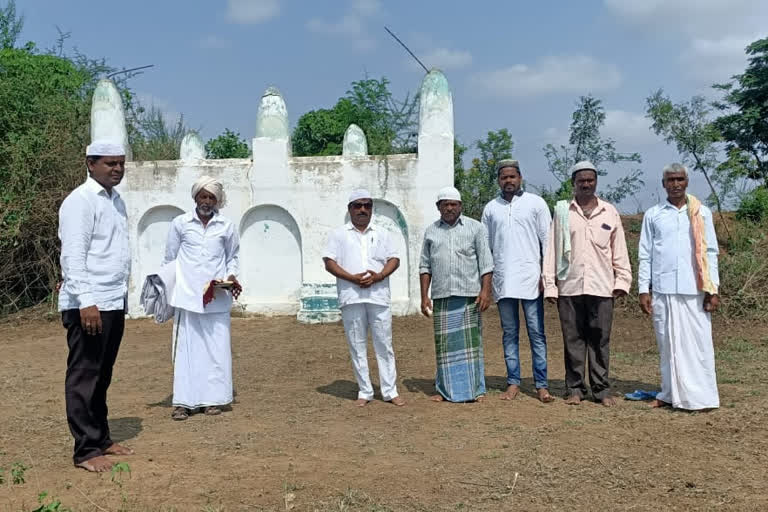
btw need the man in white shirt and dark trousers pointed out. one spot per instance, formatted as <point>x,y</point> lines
<point>95,265</point>
<point>678,280</point>
<point>518,226</point>
<point>204,246</point>
<point>362,257</point>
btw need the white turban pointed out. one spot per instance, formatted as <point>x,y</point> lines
<point>359,193</point>
<point>213,186</point>
<point>105,147</point>
<point>448,194</point>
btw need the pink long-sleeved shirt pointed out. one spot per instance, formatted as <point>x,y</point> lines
<point>599,262</point>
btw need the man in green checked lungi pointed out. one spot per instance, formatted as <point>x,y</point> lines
<point>457,262</point>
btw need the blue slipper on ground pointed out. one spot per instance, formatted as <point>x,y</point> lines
<point>639,394</point>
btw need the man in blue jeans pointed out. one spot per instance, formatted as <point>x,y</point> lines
<point>518,227</point>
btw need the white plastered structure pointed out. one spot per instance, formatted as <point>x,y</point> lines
<point>284,206</point>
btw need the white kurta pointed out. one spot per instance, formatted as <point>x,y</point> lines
<point>686,355</point>
<point>202,355</point>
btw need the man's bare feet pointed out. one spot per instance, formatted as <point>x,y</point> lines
<point>436,398</point>
<point>213,410</point>
<point>544,396</point>
<point>608,401</point>
<point>511,392</point>
<point>398,401</point>
<point>361,402</point>
<point>117,449</point>
<point>573,400</point>
<point>180,414</point>
<point>97,464</point>
<point>480,398</point>
<point>657,404</point>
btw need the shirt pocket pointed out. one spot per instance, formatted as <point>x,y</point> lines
<point>601,234</point>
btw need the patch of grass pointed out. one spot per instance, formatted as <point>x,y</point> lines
<point>18,471</point>
<point>52,505</point>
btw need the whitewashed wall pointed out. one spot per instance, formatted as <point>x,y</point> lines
<point>285,206</point>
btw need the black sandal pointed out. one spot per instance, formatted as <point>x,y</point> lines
<point>180,414</point>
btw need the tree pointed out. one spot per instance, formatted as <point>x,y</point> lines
<point>10,25</point>
<point>390,125</point>
<point>585,143</point>
<point>227,145</point>
<point>155,137</point>
<point>687,125</point>
<point>478,185</point>
<point>744,126</point>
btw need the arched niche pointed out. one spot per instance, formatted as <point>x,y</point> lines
<point>270,255</point>
<point>153,233</point>
<point>387,215</point>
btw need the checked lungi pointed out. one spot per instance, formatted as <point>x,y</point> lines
<point>458,349</point>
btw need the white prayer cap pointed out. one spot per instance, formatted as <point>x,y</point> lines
<point>449,194</point>
<point>105,147</point>
<point>213,186</point>
<point>584,165</point>
<point>359,193</point>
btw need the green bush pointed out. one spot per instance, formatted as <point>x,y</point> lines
<point>754,206</point>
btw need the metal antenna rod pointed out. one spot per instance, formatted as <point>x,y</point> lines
<point>129,70</point>
<point>407,49</point>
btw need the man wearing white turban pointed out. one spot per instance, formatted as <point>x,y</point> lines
<point>205,247</point>
<point>95,265</point>
<point>362,257</point>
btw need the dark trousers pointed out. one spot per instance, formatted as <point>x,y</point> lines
<point>586,322</point>
<point>89,372</point>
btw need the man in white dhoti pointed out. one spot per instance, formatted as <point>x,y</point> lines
<point>678,282</point>
<point>205,247</point>
<point>362,257</point>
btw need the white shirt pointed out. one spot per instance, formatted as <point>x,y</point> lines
<point>517,234</point>
<point>358,252</point>
<point>95,251</point>
<point>202,254</point>
<point>665,255</point>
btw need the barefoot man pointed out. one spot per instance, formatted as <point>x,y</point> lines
<point>518,225</point>
<point>205,247</point>
<point>678,260</point>
<point>585,268</point>
<point>362,257</point>
<point>95,264</point>
<point>457,262</point>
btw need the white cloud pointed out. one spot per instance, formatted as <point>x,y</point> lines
<point>628,129</point>
<point>213,42</point>
<point>714,33</point>
<point>250,12</point>
<point>549,75</point>
<point>352,25</point>
<point>443,58</point>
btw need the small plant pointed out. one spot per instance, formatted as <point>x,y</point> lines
<point>2,475</point>
<point>754,206</point>
<point>118,470</point>
<point>53,506</point>
<point>17,473</point>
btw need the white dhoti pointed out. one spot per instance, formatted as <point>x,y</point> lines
<point>686,354</point>
<point>202,359</point>
<point>357,318</point>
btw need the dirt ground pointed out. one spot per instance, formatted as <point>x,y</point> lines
<point>294,441</point>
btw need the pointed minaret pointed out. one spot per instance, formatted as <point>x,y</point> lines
<point>355,142</point>
<point>192,147</point>
<point>108,115</point>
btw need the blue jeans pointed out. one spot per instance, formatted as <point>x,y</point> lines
<point>533,310</point>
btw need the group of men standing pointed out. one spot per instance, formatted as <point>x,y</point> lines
<point>516,256</point>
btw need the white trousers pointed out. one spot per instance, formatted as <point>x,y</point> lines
<point>202,359</point>
<point>357,318</point>
<point>686,355</point>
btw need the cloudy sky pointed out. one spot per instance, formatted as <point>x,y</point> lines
<point>515,65</point>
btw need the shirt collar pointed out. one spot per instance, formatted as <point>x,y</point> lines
<point>460,220</point>
<point>94,186</point>
<point>601,205</point>
<point>666,204</point>
<point>370,226</point>
<point>518,194</point>
<point>195,218</point>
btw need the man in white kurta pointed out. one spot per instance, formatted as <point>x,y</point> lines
<point>678,267</point>
<point>205,247</point>
<point>362,256</point>
<point>518,226</point>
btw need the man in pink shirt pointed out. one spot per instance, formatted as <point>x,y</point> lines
<point>585,268</point>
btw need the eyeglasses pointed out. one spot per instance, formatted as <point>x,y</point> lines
<point>360,206</point>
